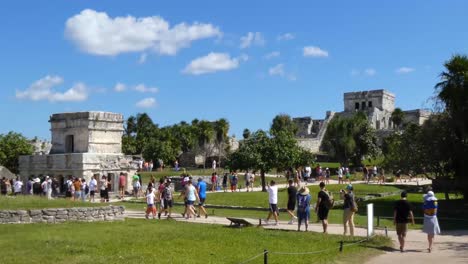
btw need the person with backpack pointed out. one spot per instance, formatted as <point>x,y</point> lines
<point>167,196</point>
<point>322,206</point>
<point>303,207</point>
<point>349,209</point>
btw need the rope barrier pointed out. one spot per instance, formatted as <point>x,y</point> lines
<point>254,257</point>
<point>305,253</point>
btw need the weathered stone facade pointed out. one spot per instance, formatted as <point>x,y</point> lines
<point>59,215</point>
<point>378,105</point>
<point>83,144</point>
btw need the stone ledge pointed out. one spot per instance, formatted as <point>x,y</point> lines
<point>60,215</point>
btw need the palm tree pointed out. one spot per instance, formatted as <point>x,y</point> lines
<point>221,128</point>
<point>397,117</point>
<point>205,135</point>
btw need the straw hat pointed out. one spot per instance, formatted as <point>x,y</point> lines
<point>304,190</point>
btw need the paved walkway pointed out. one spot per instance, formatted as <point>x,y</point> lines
<point>451,247</point>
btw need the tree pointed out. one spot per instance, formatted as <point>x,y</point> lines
<point>350,139</point>
<point>452,94</point>
<point>221,128</point>
<point>397,117</point>
<point>246,133</point>
<point>12,145</point>
<point>283,123</point>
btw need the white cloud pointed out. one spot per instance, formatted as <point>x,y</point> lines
<point>97,33</point>
<point>42,89</point>
<point>312,51</point>
<point>370,72</point>
<point>142,58</point>
<point>120,87</point>
<point>143,89</point>
<point>286,36</point>
<point>146,103</point>
<point>276,70</point>
<point>213,62</point>
<point>404,70</point>
<point>252,39</point>
<point>272,54</point>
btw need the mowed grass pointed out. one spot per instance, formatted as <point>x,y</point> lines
<point>141,241</point>
<point>26,202</point>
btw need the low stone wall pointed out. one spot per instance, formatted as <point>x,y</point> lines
<point>59,215</point>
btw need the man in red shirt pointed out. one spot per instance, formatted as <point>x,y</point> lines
<point>122,181</point>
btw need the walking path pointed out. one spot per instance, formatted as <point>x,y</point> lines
<point>451,247</point>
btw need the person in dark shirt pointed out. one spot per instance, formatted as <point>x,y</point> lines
<point>401,213</point>
<point>292,193</point>
<point>321,209</point>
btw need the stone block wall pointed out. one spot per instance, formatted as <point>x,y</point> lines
<point>59,215</point>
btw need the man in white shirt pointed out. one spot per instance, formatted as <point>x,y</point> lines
<point>273,200</point>
<point>92,188</point>
<point>18,186</point>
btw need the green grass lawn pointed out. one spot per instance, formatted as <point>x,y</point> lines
<point>22,202</point>
<point>142,241</point>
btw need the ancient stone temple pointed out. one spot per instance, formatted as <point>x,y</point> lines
<point>83,144</point>
<point>378,105</point>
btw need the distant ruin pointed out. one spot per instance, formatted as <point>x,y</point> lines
<point>83,144</point>
<point>378,105</point>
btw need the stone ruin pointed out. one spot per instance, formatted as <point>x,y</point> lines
<point>378,105</point>
<point>83,144</point>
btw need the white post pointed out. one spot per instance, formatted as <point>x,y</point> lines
<point>370,220</point>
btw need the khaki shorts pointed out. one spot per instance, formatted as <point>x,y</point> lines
<point>401,229</point>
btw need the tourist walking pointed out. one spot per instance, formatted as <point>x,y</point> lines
<point>349,208</point>
<point>201,189</point>
<point>18,186</point>
<point>159,196</point>
<point>214,181</point>
<point>327,176</point>
<point>167,195</point>
<point>401,214</point>
<point>104,193</point>
<point>348,175</point>
<point>150,206</point>
<point>273,201</point>
<point>431,224</point>
<point>340,175</point>
<point>122,184</point>
<point>247,180</point>
<point>307,172</point>
<point>303,208</point>
<point>84,190</point>
<point>192,196</point>
<point>213,165</point>
<point>92,188</point>
<point>234,181</point>
<point>292,197</point>
<point>136,185</point>
<point>225,179</point>
<point>251,181</point>
<point>321,208</point>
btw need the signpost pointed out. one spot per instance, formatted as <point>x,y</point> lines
<point>370,220</point>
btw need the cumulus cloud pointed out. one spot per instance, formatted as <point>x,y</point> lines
<point>43,89</point>
<point>120,87</point>
<point>370,72</point>
<point>286,36</point>
<point>272,54</point>
<point>97,33</point>
<point>146,103</point>
<point>276,70</point>
<point>404,70</point>
<point>279,70</point>
<point>213,62</point>
<point>252,39</point>
<point>143,89</point>
<point>142,58</point>
<point>312,51</point>
<point>365,72</point>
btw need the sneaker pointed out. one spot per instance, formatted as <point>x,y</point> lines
<point>295,217</point>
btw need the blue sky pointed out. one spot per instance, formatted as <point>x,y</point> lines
<point>245,60</point>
